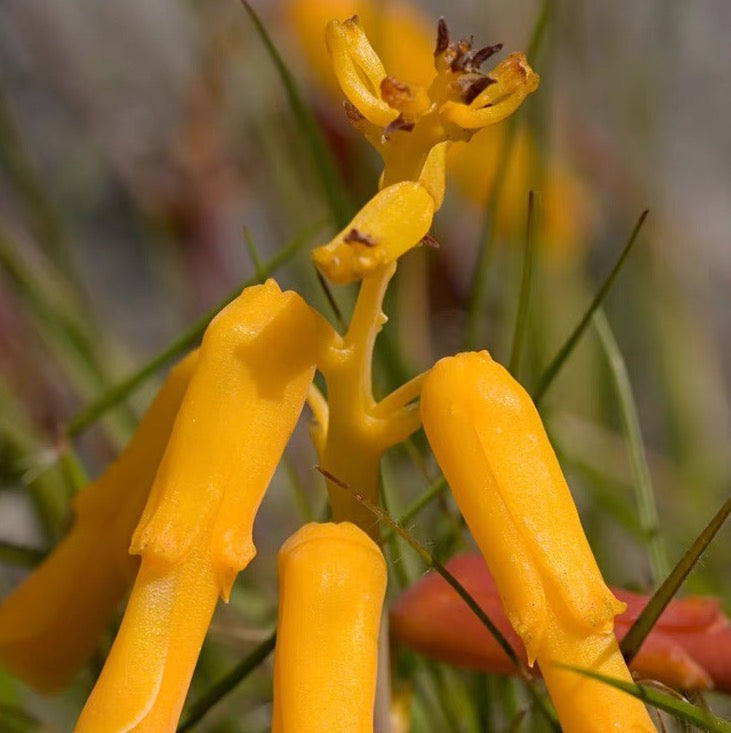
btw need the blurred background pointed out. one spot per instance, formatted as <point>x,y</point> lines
<point>151,163</point>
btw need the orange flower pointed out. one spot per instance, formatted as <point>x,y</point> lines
<point>689,647</point>
<point>254,368</point>
<point>51,624</point>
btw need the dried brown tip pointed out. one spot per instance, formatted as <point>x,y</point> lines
<point>398,125</point>
<point>428,241</point>
<point>442,37</point>
<point>479,57</point>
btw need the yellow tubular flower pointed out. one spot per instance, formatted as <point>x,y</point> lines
<point>490,443</point>
<point>391,223</point>
<point>51,624</point>
<point>255,366</point>
<point>411,127</point>
<point>332,579</point>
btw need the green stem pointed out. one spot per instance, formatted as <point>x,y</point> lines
<point>649,519</point>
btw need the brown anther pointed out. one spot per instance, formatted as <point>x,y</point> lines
<point>442,37</point>
<point>352,112</point>
<point>479,57</point>
<point>398,125</point>
<point>356,236</point>
<point>428,241</point>
<point>475,88</point>
<point>394,91</point>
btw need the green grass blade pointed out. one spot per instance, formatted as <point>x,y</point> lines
<point>521,318</point>
<point>39,211</point>
<point>649,520</point>
<point>341,209</point>
<point>190,336</point>
<point>19,555</point>
<point>679,708</point>
<point>217,692</point>
<point>642,626</point>
<point>461,591</point>
<point>481,271</point>
<point>558,361</point>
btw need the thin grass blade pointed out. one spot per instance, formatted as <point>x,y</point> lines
<point>649,519</point>
<point>190,336</point>
<point>455,585</point>
<point>676,706</point>
<point>20,555</point>
<point>639,630</point>
<point>217,692</point>
<point>481,271</point>
<point>340,208</point>
<point>564,352</point>
<point>521,319</point>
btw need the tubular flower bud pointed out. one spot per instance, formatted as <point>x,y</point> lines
<point>490,443</point>
<point>51,624</point>
<point>391,223</point>
<point>332,579</point>
<point>255,366</point>
<point>411,127</point>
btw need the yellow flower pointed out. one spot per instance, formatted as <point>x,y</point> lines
<point>403,38</point>
<point>332,579</point>
<point>51,624</point>
<point>490,443</point>
<point>411,126</point>
<point>255,366</point>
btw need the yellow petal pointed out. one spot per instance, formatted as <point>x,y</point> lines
<point>359,71</point>
<point>470,400</point>
<point>332,579</point>
<point>490,443</point>
<point>514,81</point>
<point>255,367</point>
<point>391,223</point>
<point>146,675</point>
<point>51,624</point>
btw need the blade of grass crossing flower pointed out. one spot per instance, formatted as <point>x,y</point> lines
<point>676,706</point>
<point>217,692</point>
<point>20,556</point>
<point>647,509</point>
<point>521,318</point>
<point>639,630</point>
<point>455,585</point>
<point>549,374</point>
<point>340,207</point>
<point>177,346</point>
<point>16,720</point>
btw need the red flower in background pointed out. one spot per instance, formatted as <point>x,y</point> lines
<point>689,647</point>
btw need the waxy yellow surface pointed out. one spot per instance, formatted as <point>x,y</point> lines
<point>254,368</point>
<point>490,443</point>
<point>52,623</point>
<point>332,579</point>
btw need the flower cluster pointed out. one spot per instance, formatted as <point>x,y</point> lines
<point>183,496</point>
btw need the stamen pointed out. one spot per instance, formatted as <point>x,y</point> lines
<point>442,37</point>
